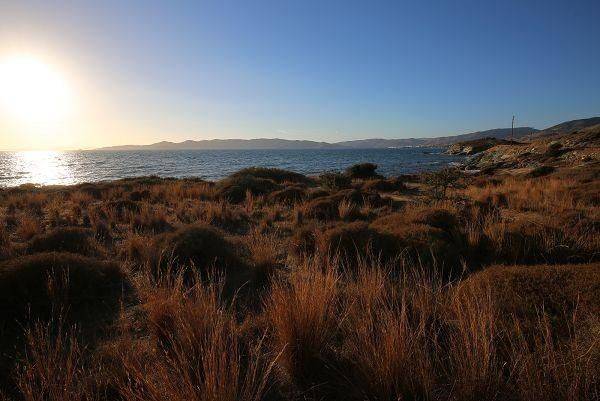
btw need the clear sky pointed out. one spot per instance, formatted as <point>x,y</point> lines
<point>141,72</point>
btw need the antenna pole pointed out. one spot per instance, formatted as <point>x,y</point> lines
<point>512,129</point>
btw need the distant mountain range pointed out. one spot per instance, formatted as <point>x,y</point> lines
<point>276,143</point>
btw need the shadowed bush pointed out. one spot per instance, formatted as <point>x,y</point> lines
<point>202,246</point>
<point>558,291</point>
<point>288,195</point>
<point>66,239</point>
<point>234,189</point>
<point>325,208</point>
<point>419,240</point>
<point>363,171</point>
<point>31,286</point>
<point>541,171</point>
<point>388,185</point>
<point>79,290</point>
<point>354,241</point>
<point>334,181</point>
<point>274,174</point>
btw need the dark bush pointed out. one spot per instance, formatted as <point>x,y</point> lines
<point>65,239</point>
<point>541,171</point>
<point>554,149</point>
<point>124,205</point>
<point>203,247</point>
<point>325,208</point>
<point>351,241</point>
<point>442,180</point>
<point>303,241</point>
<point>363,171</point>
<point>288,195</point>
<point>137,196</point>
<point>315,193</point>
<point>234,188</point>
<point>438,218</point>
<point>556,290</point>
<point>274,174</point>
<point>94,190</point>
<point>77,287</point>
<point>422,243</point>
<point>334,181</point>
<point>389,185</point>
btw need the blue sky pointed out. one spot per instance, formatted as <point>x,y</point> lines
<point>321,70</point>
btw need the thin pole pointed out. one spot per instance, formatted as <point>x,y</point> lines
<point>512,129</point>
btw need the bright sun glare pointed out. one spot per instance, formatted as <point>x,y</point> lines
<point>33,91</point>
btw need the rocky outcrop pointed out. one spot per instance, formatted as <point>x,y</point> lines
<point>476,146</point>
<point>573,149</point>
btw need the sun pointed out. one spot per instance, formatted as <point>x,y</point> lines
<point>33,91</point>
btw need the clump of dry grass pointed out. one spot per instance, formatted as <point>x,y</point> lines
<point>390,337</point>
<point>224,215</point>
<point>150,219</point>
<point>5,244</point>
<point>28,227</point>
<point>303,312</point>
<point>348,210</point>
<point>53,367</point>
<point>265,254</point>
<point>196,350</point>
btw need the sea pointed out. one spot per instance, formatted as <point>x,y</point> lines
<point>74,167</point>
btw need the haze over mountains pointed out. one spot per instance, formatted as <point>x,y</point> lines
<point>276,143</point>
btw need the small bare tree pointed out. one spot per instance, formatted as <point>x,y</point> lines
<point>440,181</point>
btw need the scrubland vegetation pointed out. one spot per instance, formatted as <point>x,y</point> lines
<point>269,285</point>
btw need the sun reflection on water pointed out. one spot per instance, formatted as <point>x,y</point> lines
<point>36,167</point>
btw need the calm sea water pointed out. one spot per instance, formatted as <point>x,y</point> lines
<point>72,167</point>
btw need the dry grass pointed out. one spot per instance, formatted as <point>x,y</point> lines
<point>195,349</point>
<point>304,315</point>
<point>282,295</point>
<point>53,368</point>
<point>28,227</point>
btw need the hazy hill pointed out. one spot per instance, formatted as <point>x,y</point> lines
<point>225,144</point>
<point>498,133</point>
<point>567,127</point>
<point>265,143</point>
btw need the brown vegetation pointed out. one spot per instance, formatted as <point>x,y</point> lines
<point>269,285</point>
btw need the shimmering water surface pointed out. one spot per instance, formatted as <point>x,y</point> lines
<point>72,167</point>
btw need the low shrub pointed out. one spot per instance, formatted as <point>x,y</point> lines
<point>288,195</point>
<point>202,247</point>
<point>384,185</point>
<point>33,287</point>
<point>442,180</point>
<point>362,171</point>
<point>352,241</point>
<point>325,208</point>
<point>422,243</point>
<point>526,292</point>
<point>334,181</point>
<point>541,171</point>
<point>277,175</point>
<point>303,241</point>
<point>235,188</point>
<point>66,239</point>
